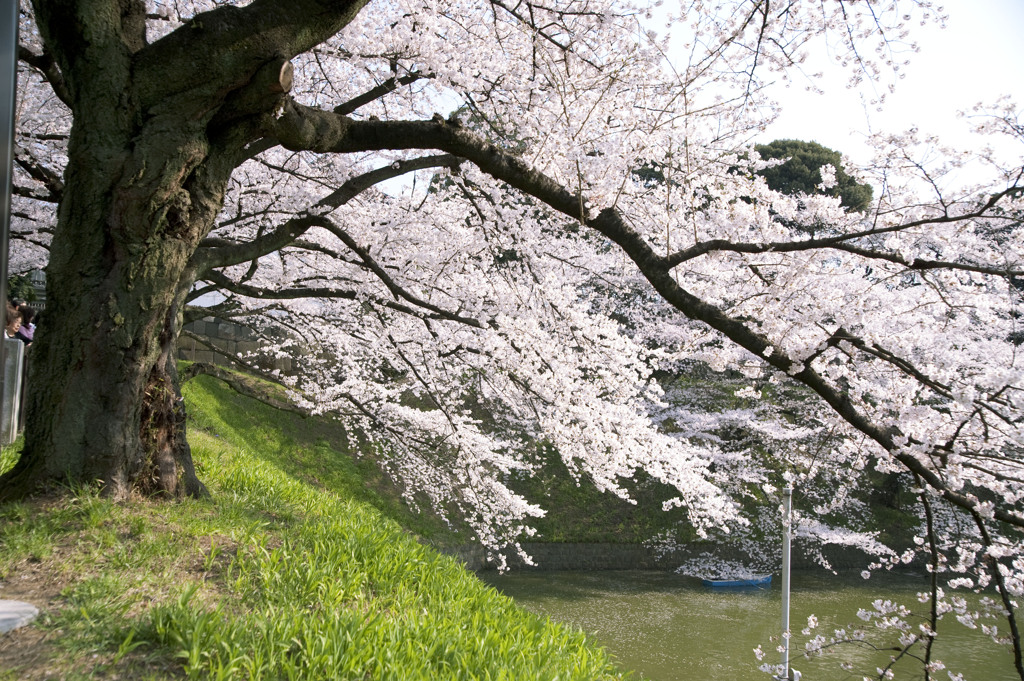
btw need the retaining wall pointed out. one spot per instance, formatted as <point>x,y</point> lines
<point>216,341</point>
<point>582,556</point>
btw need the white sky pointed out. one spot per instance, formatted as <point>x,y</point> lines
<point>977,57</point>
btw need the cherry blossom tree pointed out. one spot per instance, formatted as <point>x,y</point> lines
<point>525,281</point>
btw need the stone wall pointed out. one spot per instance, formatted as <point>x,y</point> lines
<point>217,341</point>
<point>581,556</point>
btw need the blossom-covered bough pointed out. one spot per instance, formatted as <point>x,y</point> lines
<point>579,209</point>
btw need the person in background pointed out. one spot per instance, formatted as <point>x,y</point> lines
<point>12,329</point>
<point>12,320</point>
<point>28,327</point>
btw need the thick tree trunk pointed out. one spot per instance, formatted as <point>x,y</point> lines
<point>104,405</point>
<point>158,128</point>
<point>101,405</point>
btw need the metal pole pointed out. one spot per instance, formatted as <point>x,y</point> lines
<point>8,94</point>
<point>787,518</point>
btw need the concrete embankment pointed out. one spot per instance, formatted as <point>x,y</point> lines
<point>582,556</point>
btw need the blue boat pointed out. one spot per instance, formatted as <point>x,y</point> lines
<point>756,580</point>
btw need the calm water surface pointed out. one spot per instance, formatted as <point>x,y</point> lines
<point>672,628</point>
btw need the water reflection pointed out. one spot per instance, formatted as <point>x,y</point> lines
<point>672,628</point>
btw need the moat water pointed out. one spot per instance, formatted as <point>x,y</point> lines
<point>672,628</point>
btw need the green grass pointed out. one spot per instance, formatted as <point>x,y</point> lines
<point>9,455</point>
<point>291,571</point>
<point>306,448</point>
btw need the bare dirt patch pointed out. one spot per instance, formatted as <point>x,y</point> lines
<point>29,652</point>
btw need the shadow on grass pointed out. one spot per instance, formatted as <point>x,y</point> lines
<point>319,450</point>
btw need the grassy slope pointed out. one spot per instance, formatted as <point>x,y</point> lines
<point>578,512</point>
<point>289,572</point>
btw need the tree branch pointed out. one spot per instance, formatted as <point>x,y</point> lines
<point>233,43</point>
<point>303,127</point>
<point>243,385</point>
<point>37,171</point>
<point>47,67</point>
<point>214,253</point>
<point>224,283</point>
<point>841,242</point>
<point>397,290</point>
<point>933,614</point>
<point>33,193</point>
<point>385,88</point>
<point>993,565</point>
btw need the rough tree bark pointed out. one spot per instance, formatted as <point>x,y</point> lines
<point>151,150</point>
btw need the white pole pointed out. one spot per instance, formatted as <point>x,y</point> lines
<point>787,529</point>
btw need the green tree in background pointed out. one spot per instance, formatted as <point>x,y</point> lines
<point>801,172</point>
<point>20,288</point>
